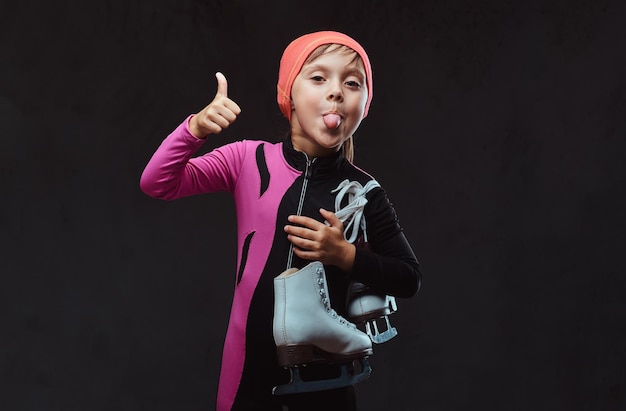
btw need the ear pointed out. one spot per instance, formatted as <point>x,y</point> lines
<point>293,107</point>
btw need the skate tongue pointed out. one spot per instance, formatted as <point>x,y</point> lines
<point>332,120</point>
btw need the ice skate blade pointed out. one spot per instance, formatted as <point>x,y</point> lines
<point>347,377</point>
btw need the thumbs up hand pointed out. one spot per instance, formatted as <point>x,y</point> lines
<point>218,115</point>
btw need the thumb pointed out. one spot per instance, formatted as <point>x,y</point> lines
<point>222,85</point>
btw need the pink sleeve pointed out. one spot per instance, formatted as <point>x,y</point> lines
<point>172,173</point>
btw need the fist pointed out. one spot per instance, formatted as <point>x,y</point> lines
<point>218,115</point>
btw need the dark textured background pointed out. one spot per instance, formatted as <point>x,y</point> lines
<point>497,128</point>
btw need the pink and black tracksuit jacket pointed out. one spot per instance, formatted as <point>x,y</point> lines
<point>269,181</point>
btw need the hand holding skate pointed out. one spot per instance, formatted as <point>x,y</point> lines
<point>316,241</point>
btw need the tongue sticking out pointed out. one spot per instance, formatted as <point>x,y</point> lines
<point>332,120</point>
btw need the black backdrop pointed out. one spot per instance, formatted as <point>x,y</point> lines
<point>497,128</point>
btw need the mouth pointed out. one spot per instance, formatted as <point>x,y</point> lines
<point>332,120</point>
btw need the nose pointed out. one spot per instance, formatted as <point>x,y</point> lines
<point>334,91</point>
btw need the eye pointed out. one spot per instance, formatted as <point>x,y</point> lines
<point>317,78</point>
<point>353,84</point>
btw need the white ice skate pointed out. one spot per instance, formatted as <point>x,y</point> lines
<point>367,308</point>
<point>308,331</point>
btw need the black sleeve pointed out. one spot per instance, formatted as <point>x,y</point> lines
<point>387,264</point>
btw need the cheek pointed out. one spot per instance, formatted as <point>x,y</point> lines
<point>363,99</point>
<point>307,105</point>
<point>301,98</point>
<point>359,100</point>
<point>359,107</point>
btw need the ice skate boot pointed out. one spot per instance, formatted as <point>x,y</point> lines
<point>308,331</point>
<point>366,308</point>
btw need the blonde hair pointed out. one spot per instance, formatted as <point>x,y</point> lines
<point>348,149</point>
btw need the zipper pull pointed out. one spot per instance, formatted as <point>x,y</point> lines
<point>309,167</point>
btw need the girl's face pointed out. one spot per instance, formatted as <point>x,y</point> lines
<point>328,100</point>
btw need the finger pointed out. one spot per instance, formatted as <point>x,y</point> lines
<point>299,232</point>
<point>210,128</point>
<point>305,255</point>
<point>303,244</point>
<point>222,85</point>
<point>225,114</point>
<point>307,222</point>
<point>331,217</point>
<point>220,121</point>
<point>232,106</point>
<point>221,114</point>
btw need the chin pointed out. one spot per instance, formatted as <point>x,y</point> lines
<point>331,145</point>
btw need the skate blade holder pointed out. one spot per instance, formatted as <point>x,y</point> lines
<point>371,320</point>
<point>350,375</point>
<point>379,337</point>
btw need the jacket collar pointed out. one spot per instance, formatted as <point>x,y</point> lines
<point>321,165</point>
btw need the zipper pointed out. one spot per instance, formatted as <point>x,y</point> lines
<point>308,172</point>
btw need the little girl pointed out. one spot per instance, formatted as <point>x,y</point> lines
<point>284,193</point>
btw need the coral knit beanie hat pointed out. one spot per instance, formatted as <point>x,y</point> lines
<point>299,50</point>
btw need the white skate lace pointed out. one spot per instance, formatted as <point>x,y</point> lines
<point>351,215</point>
<point>326,302</point>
